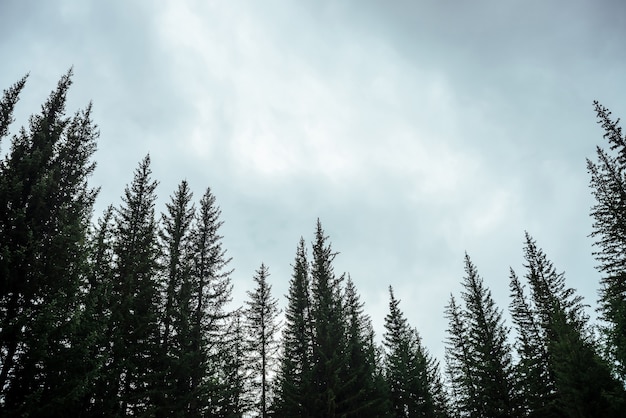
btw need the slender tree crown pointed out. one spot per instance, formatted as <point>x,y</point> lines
<point>45,209</point>
<point>608,184</point>
<point>479,355</point>
<point>262,345</point>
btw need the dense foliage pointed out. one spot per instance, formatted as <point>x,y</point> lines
<point>131,316</point>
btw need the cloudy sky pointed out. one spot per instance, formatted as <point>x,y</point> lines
<point>415,130</point>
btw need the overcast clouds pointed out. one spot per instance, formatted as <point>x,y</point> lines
<point>415,130</point>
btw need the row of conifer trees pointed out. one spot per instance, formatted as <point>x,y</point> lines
<point>131,316</point>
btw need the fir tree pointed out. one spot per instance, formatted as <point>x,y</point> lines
<point>97,314</point>
<point>176,316</point>
<point>294,374</point>
<point>210,291</point>
<point>582,380</point>
<point>329,341</point>
<point>411,373</point>
<point>262,344</point>
<point>460,364</point>
<point>134,376</point>
<point>363,393</point>
<point>46,208</point>
<point>10,97</point>
<point>231,396</point>
<point>479,352</point>
<point>608,183</point>
<point>535,387</point>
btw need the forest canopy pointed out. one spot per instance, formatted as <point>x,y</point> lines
<point>130,314</point>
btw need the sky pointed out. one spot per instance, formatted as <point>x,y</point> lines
<point>415,131</point>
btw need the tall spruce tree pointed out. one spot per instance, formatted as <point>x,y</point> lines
<point>365,397</point>
<point>262,344</point>
<point>134,373</point>
<point>46,207</point>
<point>295,364</point>
<point>535,386</point>
<point>97,314</point>
<point>210,291</point>
<point>584,386</point>
<point>608,184</point>
<point>411,373</point>
<point>329,341</point>
<point>232,397</point>
<point>460,364</point>
<point>174,396</point>
<point>478,351</point>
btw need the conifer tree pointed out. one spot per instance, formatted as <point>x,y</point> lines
<point>176,316</point>
<point>480,351</point>
<point>231,397</point>
<point>210,291</point>
<point>608,183</point>
<point>364,395</point>
<point>134,378</point>
<point>97,314</point>
<point>535,386</point>
<point>262,344</point>
<point>294,373</point>
<point>46,207</point>
<point>460,364</point>
<point>411,373</point>
<point>582,380</point>
<point>9,99</point>
<point>329,341</point>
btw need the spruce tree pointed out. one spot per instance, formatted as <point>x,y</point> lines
<point>608,184</point>
<point>175,234</point>
<point>412,375</point>
<point>9,99</point>
<point>460,364</point>
<point>46,208</point>
<point>295,365</point>
<point>329,341</point>
<point>231,396</point>
<point>363,393</point>
<point>97,314</point>
<point>262,344</point>
<point>210,291</point>
<point>582,379</point>
<point>535,386</point>
<point>479,350</point>
<point>134,373</point>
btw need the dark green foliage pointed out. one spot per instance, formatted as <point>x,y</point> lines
<point>130,317</point>
<point>415,389</point>
<point>329,364</point>
<point>329,342</point>
<point>364,393</point>
<point>582,381</point>
<point>262,344</point>
<point>294,374</point>
<point>134,371</point>
<point>97,313</point>
<point>230,396</point>
<point>479,356</point>
<point>45,209</point>
<point>209,290</point>
<point>535,388</point>
<point>459,363</point>
<point>175,395</point>
<point>608,183</point>
<point>10,97</point>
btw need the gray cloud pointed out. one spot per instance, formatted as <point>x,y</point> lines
<point>414,130</point>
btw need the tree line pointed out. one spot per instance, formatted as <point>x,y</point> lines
<point>131,316</point>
